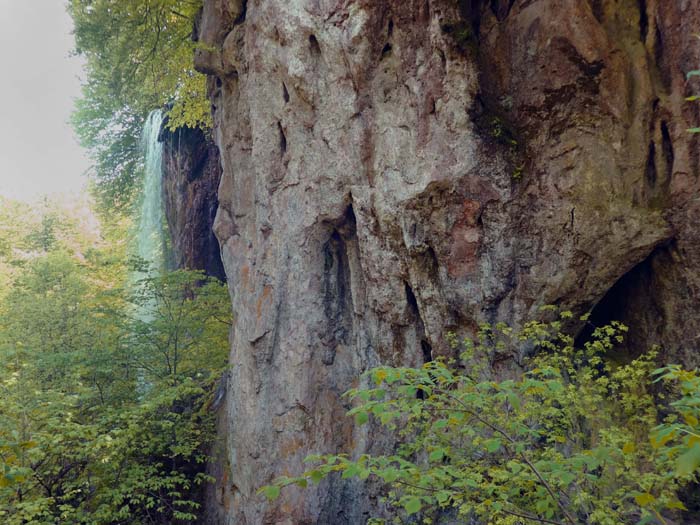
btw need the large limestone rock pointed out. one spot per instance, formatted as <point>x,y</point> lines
<point>392,169</point>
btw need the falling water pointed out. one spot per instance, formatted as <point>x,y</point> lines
<point>150,233</point>
<point>150,238</point>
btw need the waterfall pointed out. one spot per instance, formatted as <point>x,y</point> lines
<point>150,235</point>
<point>150,232</point>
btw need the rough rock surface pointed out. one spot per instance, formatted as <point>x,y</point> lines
<point>392,169</point>
<point>191,175</point>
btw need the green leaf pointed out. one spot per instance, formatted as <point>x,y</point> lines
<point>662,435</point>
<point>440,424</point>
<point>676,504</point>
<point>301,483</point>
<point>542,505</point>
<point>492,445</point>
<point>514,400</point>
<point>351,470</point>
<point>390,475</point>
<point>272,492</point>
<point>443,497</point>
<point>316,476</point>
<point>555,386</point>
<point>437,455</point>
<point>412,505</point>
<point>361,418</point>
<point>689,462</point>
<point>567,478</point>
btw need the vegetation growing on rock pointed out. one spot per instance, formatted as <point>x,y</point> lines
<point>572,439</point>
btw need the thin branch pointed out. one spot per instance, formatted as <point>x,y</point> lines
<point>522,455</point>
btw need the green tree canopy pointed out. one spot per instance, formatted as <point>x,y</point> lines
<point>139,57</point>
<point>106,384</point>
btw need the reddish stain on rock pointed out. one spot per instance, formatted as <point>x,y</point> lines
<point>465,240</point>
<point>267,293</point>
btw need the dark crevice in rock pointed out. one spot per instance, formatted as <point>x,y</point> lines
<point>589,70</point>
<point>197,25</point>
<point>464,31</point>
<point>501,8</point>
<point>414,311</point>
<point>285,93</point>
<point>433,108</point>
<point>386,51</point>
<point>417,319</point>
<point>650,170</point>
<point>314,46</point>
<point>643,20</point>
<point>462,35</point>
<point>658,46</point>
<point>283,139</point>
<point>412,302</point>
<point>390,29</point>
<point>667,148</point>
<point>597,10</point>
<point>337,295</point>
<point>659,60</point>
<point>471,11</point>
<point>633,301</point>
<point>430,265</point>
<point>427,349</point>
<point>191,175</point>
<point>243,13</point>
<point>500,136</point>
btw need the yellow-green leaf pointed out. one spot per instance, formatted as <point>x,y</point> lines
<point>644,499</point>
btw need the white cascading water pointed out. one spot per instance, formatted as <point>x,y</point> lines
<point>150,237</point>
<point>150,234</point>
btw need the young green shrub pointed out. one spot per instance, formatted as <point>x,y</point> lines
<point>679,436</point>
<point>106,415</point>
<point>564,442</point>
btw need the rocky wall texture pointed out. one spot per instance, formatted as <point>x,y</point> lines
<point>394,169</point>
<point>191,176</point>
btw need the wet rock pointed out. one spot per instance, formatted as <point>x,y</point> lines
<point>191,175</point>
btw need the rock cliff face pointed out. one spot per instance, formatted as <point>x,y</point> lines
<point>392,169</point>
<point>191,175</point>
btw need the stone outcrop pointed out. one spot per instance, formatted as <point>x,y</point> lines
<point>191,175</point>
<point>395,169</point>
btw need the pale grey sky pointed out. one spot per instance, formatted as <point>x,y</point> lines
<point>38,152</point>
